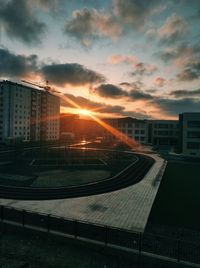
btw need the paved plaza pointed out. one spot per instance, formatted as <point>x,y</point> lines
<point>128,208</point>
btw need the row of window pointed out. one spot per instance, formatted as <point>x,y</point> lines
<point>193,124</point>
<point>193,145</point>
<point>166,126</point>
<point>193,134</point>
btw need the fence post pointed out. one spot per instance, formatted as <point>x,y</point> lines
<point>2,213</point>
<point>140,242</point>
<point>75,228</point>
<point>23,217</point>
<point>106,234</point>
<point>48,222</point>
<point>178,250</point>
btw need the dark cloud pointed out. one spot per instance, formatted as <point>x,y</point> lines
<point>92,105</point>
<point>70,73</point>
<point>103,108</point>
<point>140,95</point>
<point>110,91</point>
<point>18,21</point>
<point>185,93</point>
<point>174,107</point>
<point>12,65</point>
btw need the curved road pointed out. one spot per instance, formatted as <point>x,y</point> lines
<point>131,175</point>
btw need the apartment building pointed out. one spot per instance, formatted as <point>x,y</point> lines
<point>189,139</point>
<point>27,114</point>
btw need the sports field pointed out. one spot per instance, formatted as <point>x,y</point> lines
<point>178,200</point>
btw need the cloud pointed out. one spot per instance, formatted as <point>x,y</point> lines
<point>70,73</point>
<point>46,4</point>
<point>12,65</point>
<point>88,25</point>
<point>174,107</point>
<point>140,95</point>
<point>185,93</point>
<point>133,12</point>
<point>188,75</point>
<point>174,28</point>
<point>159,81</point>
<point>180,55</point>
<point>142,68</point>
<point>110,91</point>
<point>186,57</point>
<point>18,21</point>
<point>117,59</point>
<point>139,68</point>
<point>92,105</point>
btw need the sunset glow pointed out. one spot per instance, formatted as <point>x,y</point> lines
<point>84,112</point>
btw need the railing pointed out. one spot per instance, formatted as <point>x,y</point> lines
<point>160,245</point>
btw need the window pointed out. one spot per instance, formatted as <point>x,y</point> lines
<point>163,132</point>
<point>137,131</point>
<point>193,145</point>
<point>163,125</point>
<point>142,132</point>
<point>193,124</point>
<point>193,134</point>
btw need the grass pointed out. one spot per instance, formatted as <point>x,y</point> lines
<point>178,200</point>
<point>32,251</point>
<point>58,178</point>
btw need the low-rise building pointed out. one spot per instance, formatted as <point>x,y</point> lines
<point>163,133</point>
<point>189,139</point>
<point>133,128</point>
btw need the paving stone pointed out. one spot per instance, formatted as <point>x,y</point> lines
<point>128,208</point>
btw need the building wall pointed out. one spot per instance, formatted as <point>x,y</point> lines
<point>28,114</point>
<point>163,132</point>
<point>16,112</point>
<point>53,117</point>
<point>190,134</point>
<point>131,127</point>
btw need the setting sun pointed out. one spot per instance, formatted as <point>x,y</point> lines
<point>84,112</point>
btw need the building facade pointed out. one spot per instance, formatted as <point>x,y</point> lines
<point>190,134</point>
<point>163,133</point>
<point>133,128</point>
<point>27,114</point>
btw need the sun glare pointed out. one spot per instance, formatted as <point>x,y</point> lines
<point>84,112</point>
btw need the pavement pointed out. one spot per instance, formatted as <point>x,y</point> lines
<point>128,208</point>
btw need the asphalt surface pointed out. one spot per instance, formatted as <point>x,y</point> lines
<point>131,175</point>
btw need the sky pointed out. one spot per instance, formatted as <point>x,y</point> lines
<point>115,57</point>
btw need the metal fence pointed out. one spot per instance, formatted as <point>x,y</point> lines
<point>151,243</point>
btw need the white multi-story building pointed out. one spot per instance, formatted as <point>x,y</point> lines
<point>190,134</point>
<point>28,114</point>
